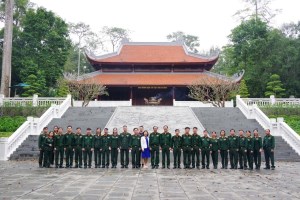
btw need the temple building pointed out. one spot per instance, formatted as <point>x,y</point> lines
<point>151,73</point>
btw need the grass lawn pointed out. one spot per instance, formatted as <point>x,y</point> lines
<point>5,134</point>
<point>8,125</point>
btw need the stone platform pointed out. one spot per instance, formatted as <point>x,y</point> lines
<point>23,180</point>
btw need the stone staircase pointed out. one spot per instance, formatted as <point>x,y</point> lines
<point>74,116</point>
<point>216,119</point>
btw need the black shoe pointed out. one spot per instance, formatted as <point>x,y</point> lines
<point>71,166</point>
<point>174,167</point>
<point>133,166</point>
<point>241,168</point>
<point>222,167</point>
<point>67,167</point>
<point>103,166</point>
<point>156,167</point>
<point>193,167</point>
<point>198,167</point>
<point>215,167</point>
<point>202,167</point>
<point>152,166</point>
<point>163,167</point>
<point>107,166</point>
<point>231,168</point>
<point>61,166</point>
<point>267,168</point>
<point>207,167</point>
<point>168,167</point>
<point>85,167</point>
<point>245,168</point>
<point>76,166</point>
<point>225,167</point>
<point>96,166</point>
<point>56,166</point>
<point>126,166</point>
<point>235,167</point>
<point>273,168</point>
<point>179,167</point>
<point>122,166</point>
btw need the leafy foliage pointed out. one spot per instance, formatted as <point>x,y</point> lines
<point>243,90</point>
<point>191,41</point>
<point>11,124</point>
<point>274,87</point>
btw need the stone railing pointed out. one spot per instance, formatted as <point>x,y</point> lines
<point>277,126</point>
<point>104,103</point>
<point>33,126</point>
<point>199,104</point>
<point>30,101</point>
<point>261,102</point>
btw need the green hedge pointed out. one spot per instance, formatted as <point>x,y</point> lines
<point>22,111</point>
<point>5,134</point>
<point>11,124</point>
<point>286,110</point>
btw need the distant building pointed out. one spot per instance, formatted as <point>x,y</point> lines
<point>151,73</point>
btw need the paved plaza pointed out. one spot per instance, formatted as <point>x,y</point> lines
<point>24,180</point>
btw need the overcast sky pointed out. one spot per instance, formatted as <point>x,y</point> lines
<point>152,20</point>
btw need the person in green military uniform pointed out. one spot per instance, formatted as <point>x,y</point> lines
<point>136,149</point>
<point>224,149</point>
<point>176,146</point>
<point>106,147</point>
<point>48,147</point>
<point>214,150</point>
<point>98,148</point>
<point>249,147</point>
<point>154,142</point>
<point>69,147</point>
<point>196,145</point>
<point>115,146</point>
<point>88,148</point>
<point>165,145</point>
<point>205,149</point>
<point>59,148</point>
<point>242,150</point>
<point>257,149</point>
<point>233,145</point>
<point>125,142</point>
<point>269,146</point>
<point>41,141</point>
<point>78,148</point>
<point>187,148</point>
<point>55,132</point>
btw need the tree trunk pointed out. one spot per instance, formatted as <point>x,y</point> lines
<point>7,49</point>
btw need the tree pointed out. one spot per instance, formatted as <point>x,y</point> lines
<point>191,41</point>
<point>63,88</point>
<point>275,87</point>
<point>214,91</point>
<point>243,90</point>
<point>114,35</point>
<point>257,9</point>
<point>7,49</point>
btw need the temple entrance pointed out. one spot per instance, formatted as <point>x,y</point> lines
<point>152,96</point>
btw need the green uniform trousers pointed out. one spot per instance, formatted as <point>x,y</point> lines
<point>187,156</point>
<point>41,158</point>
<point>165,152</point>
<point>205,154</point>
<point>78,156</point>
<point>124,153</point>
<point>105,157</point>
<point>47,157</point>
<point>114,156</point>
<point>177,156</point>
<point>233,156</point>
<point>224,158</point>
<point>69,156</point>
<point>269,155</point>
<point>97,157</point>
<point>155,156</point>
<point>250,159</point>
<point>59,153</point>
<point>242,158</point>
<point>196,157</point>
<point>214,158</point>
<point>87,157</point>
<point>136,157</point>
<point>257,158</point>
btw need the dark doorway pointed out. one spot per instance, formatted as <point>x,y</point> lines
<point>153,96</point>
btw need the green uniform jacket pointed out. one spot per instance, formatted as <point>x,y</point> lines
<point>205,143</point>
<point>136,141</point>
<point>233,142</point>
<point>69,140</point>
<point>269,142</point>
<point>125,140</point>
<point>223,143</point>
<point>88,141</point>
<point>41,140</point>
<point>242,142</point>
<point>154,139</point>
<point>115,142</point>
<point>166,139</point>
<point>196,141</point>
<point>214,144</point>
<point>176,142</point>
<point>257,143</point>
<point>48,144</point>
<point>106,141</point>
<point>186,140</point>
<point>78,140</point>
<point>249,143</point>
<point>59,141</point>
<point>98,141</point>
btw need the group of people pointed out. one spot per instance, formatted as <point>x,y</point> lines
<point>243,149</point>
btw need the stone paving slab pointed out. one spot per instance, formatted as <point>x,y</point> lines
<point>23,180</point>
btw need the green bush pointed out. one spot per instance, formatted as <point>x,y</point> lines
<point>11,124</point>
<point>23,111</point>
<point>5,134</point>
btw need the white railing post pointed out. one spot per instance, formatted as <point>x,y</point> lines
<point>3,148</point>
<point>31,128</point>
<point>1,99</point>
<point>272,100</point>
<point>35,100</point>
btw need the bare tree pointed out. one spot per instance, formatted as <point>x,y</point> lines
<point>214,91</point>
<point>114,35</point>
<point>84,90</point>
<point>7,49</point>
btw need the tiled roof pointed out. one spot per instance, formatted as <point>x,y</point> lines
<point>167,52</point>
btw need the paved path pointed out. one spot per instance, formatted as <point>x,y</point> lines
<point>174,117</point>
<point>23,180</point>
